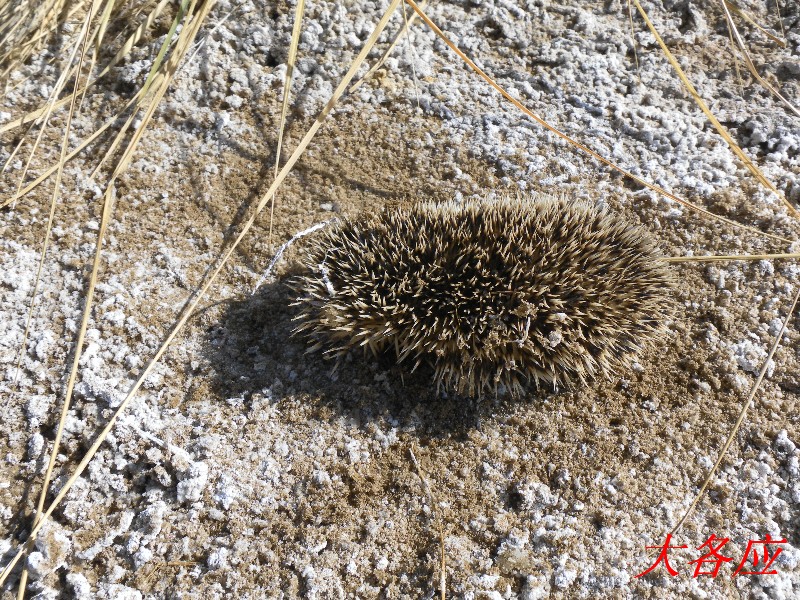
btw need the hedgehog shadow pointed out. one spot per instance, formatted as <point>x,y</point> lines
<point>252,349</point>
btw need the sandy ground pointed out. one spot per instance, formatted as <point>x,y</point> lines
<point>246,469</point>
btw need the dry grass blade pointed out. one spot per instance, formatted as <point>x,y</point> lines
<point>780,22</point>
<point>97,37</point>
<point>198,45</point>
<point>122,53</point>
<point>188,33</point>
<point>406,26</point>
<point>25,27</point>
<point>735,60</point>
<point>633,40</point>
<point>411,52</point>
<point>717,125</point>
<point>16,149</point>
<point>56,188</point>
<point>746,16</point>
<point>162,78</point>
<point>82,146</point>
<point>722,257</point>
<point>57,89</point>
<point>442,565</point>
<point>161,566</point>
<point>134,38</point>
<point>192,305</point>
<point>742,413</point>
<point>73,372</point>
<point>577,144</point>
<point>31,116</point>
<point>54,197</point>
<point>434,504</point>
<point>155,80</point>
<point>287,86</point>
<point>183,10</point>
<point>751,65</point>
<point>108,201</point>
<point>23,46</point>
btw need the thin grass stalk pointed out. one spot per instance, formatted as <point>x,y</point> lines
<point>716,258</point>
<point>124,51</point>
<point>751,65</point>
<point>780,22</point>
<point>54,198</point>
<point>400,34</point>
<point>57,88</point>
<point>746,16</point>
<point>633,42</point>
<point>43,21</point>
<point>717,125</point>
<point>287,88</point>
<point>81,334</point>
<point>198,45</point>
<point>82,146</point>
<point>170,68</point>
<point>97,38</point>
<point>411,53</point>
<point>576,144</point>
<point>436,518</point>
<point>742,415</point>
<point>735,60</point>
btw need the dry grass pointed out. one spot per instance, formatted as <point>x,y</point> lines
<point>26,26</point>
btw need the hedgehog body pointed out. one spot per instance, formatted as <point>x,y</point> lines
<point>492,293</point>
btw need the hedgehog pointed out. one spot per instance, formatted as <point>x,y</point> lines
<point>494,294</point>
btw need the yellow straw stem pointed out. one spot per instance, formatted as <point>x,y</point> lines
<point>722,257</point>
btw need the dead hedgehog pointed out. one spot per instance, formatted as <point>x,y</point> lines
<point>491,293</point>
